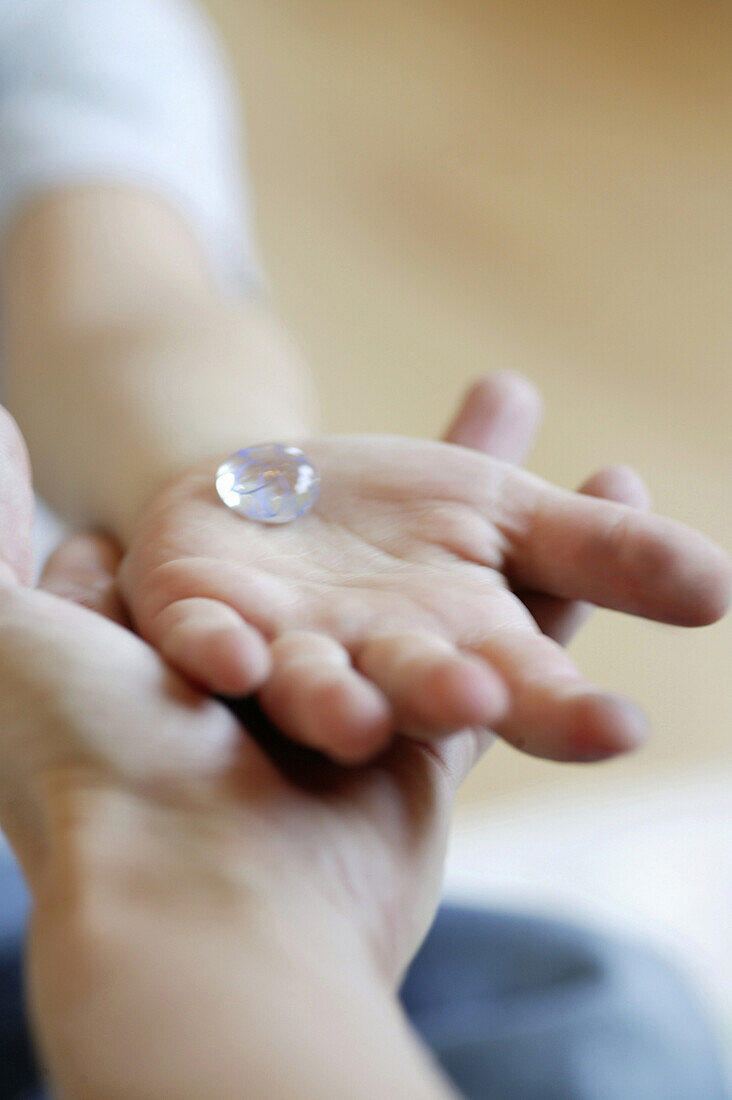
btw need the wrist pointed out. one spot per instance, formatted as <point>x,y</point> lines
<point>189,854</point>
<point>232,383</point>
<point>129,408</point>
<point>205,970</point>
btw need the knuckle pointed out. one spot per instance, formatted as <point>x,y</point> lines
<point>165,584</point>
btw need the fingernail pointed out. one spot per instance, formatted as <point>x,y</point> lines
<point>609,725</point>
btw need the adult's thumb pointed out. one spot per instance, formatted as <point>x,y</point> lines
<point>16,505</point>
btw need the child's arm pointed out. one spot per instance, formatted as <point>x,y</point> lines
<point>392,604</point>
<point>124,363</point>
<point>135,335</point>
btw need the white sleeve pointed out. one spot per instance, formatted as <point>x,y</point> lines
<point>125,91</point>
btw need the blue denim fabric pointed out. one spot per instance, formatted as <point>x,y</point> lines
<point>514,1008</point>
<point>523,1008</point>
<point>17,1069</point>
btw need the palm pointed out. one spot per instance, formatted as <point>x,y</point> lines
<point>371,839</point>
<point>391,605</point>
<point>110,715</point>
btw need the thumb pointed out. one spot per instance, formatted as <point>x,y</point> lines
<point>16,505</point>
<point>84,570</point>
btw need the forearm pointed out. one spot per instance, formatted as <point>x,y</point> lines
<point>159,969</point>
<point>124,363</point>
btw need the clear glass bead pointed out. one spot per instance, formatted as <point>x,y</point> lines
<point>271,483</point>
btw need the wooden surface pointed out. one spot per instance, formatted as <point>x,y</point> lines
<point>448,186</point>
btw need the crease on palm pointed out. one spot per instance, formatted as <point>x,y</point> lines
<point>446,580</point>
<point>425,546</point>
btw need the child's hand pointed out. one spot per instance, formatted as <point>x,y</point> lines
<point>391,605</point>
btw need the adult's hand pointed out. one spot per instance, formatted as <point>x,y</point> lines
<point>181,856</point>
<point>204,916</point>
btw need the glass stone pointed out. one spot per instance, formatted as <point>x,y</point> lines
<point>270,483</point>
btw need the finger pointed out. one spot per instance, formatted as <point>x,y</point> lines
<point>210,643</point>
<point>84,570</point>
<point>457,753</point>
<point>16,505</point>
<point>609,554</point>
<point>500,415</point>
<point>315,697</point>
<point>431,685</point>
<point>562,619</point>
<point>619,483</point>
<point>558,619</point>
<point>554,713</point>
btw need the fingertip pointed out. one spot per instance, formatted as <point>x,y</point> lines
<point>602,725</point>
<point>622,484</point>
<point>318,699</point>
<point>713,590</point>
<point>217,649</point>
<point>454,693</point>
<point>499,415</point>
<point>695,581</point>
<point>346,717</point>
<point>512,395</point>
<point>516,388</point>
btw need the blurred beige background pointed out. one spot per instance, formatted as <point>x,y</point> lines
<point>449,186</point>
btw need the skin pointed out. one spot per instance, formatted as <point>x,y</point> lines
<point>198,898</point>
<point>126,792</point>
<point>392,604</point>
<point>173,864</point>
<point>404,600</point>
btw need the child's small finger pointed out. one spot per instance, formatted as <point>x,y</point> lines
<point>561,619</point>
<point>210,643</point>
<point>432,686</point>
<point>315,697</point>
<point>619,483</point>
<point>500,416</point>
<point>554,713</point>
